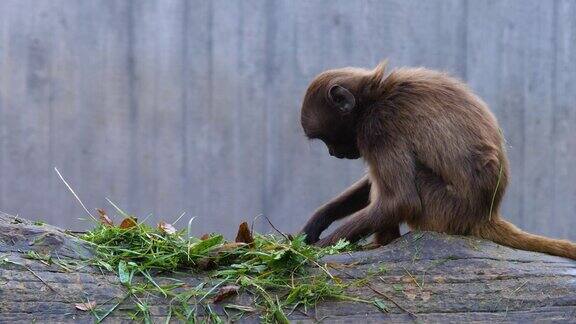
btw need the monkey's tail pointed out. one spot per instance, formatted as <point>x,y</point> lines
<point>505,233</point>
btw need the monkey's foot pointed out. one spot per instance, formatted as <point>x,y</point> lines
<point>311,238</point>
<point>371,246</point>
<point>327,241</point>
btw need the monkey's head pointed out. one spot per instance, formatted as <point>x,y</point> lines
<point>332,105</point>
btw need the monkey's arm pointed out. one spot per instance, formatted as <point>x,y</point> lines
<point>396,199</point>
<point>353,199</point>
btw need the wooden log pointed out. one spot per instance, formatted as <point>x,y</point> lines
<point>426,277</point>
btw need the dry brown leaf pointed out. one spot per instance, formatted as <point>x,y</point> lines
<point>128,222</point>
<point>206,264</point>
<point>230,246</point>
<point>244,235</point>
<point>85,306</point>
<point>226,292</point>
<point>439,279</point>
<point>104,219</point>
<point>166,228</point>
<point>205,237</point>
<point>336,265</point>
<point>407,279</point>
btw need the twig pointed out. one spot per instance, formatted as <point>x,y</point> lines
<point>414,279</point>
<point>254,221</point>
<point>177,219</point>
<point>274,227</point>
<point>32,272</point>
<point>495,191</point>
<point>39,278</point>
<point>520,287</point>
<point>75,195</point>
<point>189,228</point>
<point>118,209</point>
<point>378,292</point>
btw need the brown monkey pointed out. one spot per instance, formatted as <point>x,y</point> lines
<point>435,157</point>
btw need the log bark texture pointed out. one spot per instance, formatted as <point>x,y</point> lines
<point>423,277</point>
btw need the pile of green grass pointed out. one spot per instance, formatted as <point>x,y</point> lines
<point>281,273</point>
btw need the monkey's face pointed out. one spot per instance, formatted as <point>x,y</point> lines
<point>340,141</point>
<point>343,151</point>
<point>329,113</point>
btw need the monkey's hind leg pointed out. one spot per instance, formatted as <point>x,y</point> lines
<point>383,237</point>
<point>350,201</point>
<point>386,235</point>
<point>361,224</point>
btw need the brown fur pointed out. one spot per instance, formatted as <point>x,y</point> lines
<point>435,156</point>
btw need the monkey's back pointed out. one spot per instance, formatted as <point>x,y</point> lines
<point>461,165</point>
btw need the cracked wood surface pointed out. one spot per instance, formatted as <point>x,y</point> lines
<point>438,278</point>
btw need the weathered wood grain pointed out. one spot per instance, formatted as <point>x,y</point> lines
<point>438,278</point>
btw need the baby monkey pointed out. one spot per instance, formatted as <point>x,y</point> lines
<point>435,156</point>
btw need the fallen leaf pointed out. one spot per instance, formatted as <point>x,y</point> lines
<point>104,219</point>
<point>244,235</point>
<point>336,265</point>
<point>381,305</point>
<point>439,279</point>
<point>205,237</point>
<point>166,228</point>
<point>226,292</point>
<point>407,279</point>
<point>123,273</point>
<point>128,222</point>
<point>230,246</point>
<point>85,306</point>
<point>206,264</point>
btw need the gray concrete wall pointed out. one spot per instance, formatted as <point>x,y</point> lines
<point>172,106</point>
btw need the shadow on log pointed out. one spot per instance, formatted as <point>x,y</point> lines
<point>425,277</point>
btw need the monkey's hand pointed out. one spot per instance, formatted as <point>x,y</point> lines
<point>327,241</point>
<point>312,230</point>
<point>352,231</point>
<point>323,243</point>
<point>311,236</point>
<point>331,239</point>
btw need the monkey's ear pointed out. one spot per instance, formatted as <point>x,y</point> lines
<point>342,98</point>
